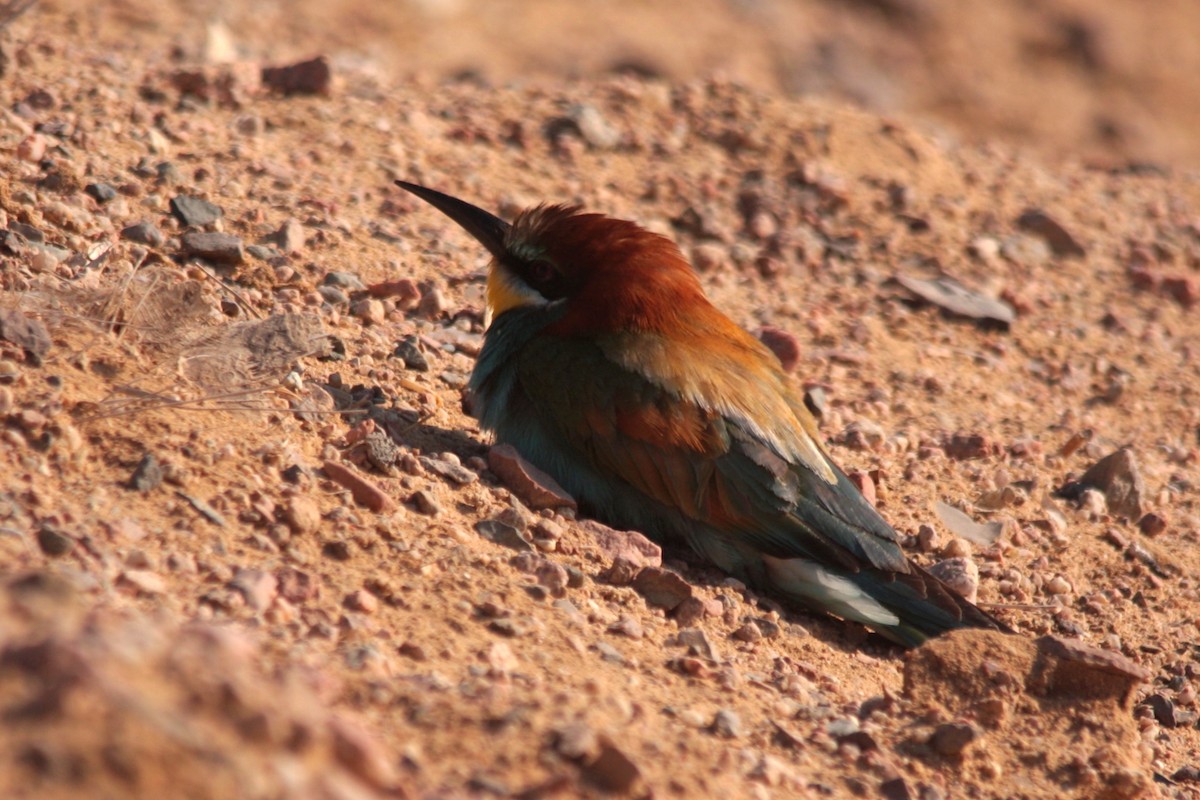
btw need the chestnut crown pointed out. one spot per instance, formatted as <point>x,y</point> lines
<point>613,273</point>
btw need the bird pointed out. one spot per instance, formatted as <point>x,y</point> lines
<point>606,366</point>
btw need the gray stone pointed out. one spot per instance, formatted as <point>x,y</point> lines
<point>194,211</point>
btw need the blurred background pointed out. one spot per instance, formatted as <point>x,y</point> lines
<point>1113,83</point>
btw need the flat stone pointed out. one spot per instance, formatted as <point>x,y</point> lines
<point>194,211</point>
<point>1163,710</point>
<point>958,523</point>
<point>144,581</point>
<point>1071,668</point>
<point>661,587</point>
<point>954,298</point>
<point>535,488</point>
<point>143,233</point>
<point>220,248</point>
<point>365,492</point>
<point>504,534</point>
<point>628,545</point>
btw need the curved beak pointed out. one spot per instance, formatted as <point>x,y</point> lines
<point>489,229</point>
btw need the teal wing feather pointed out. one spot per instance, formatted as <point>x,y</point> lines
<point>712,477</point>
<point>697,461</point>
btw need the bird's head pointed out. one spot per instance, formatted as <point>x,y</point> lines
<point>611,274</point>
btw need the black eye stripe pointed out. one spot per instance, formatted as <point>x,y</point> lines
<point>541,275</point>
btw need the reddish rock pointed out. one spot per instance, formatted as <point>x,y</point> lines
<point>290,237</point>
<point>297,586</point>
<point>258,587</point>
<point>964,446</point>
<point>611,769</point>
<point>1071,668</point>
<point>622,572</point>
<point>553,576</point>
<point>535,488</point>
<point>301,514</point>
<point>1145,278</point>
<point>952,738</point>
<point>662,588</point>
<point>362,754</point>
<point>1183,288</point>
<point>961,575</point>
<point>405,292</point>
<point>1152,524</point>
<point>365,492</point>
<point>864,483</point>
<point>693,609</point>
<point>1020,303</point>
<point>143,581</point>
<point>784,345</point>
<point>314,76</point>
<point>32,148</point>
<point>362,601</point>
<point>629,545</point>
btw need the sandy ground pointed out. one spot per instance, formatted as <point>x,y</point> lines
<point>252,546</point>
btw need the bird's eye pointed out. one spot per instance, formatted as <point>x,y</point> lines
<point>541,271</point>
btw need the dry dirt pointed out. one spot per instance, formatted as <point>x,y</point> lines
<point>198,601</point>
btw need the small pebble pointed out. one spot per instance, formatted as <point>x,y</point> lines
<point>1058,585</point>
<point>362,601</point>
<point>369,310</point>
<point>143,233</point>
<point>344,280</point>
<point>627,626</point>
<point>302,514</point>
<point>727,724</point>
<point>425,503</point>
<point>54,543</point>
<point>952,738</point>
<point>748,632</point>
<point>147,475</point>
<point>100,192</point>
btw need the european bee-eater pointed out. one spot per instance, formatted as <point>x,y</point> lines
<point>606,366</point>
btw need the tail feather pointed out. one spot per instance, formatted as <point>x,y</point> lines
<point>907,608</point>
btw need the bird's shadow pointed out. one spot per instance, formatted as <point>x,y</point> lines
<point>409,430</point>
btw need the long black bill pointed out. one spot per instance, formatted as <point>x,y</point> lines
<point>489,229</point>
